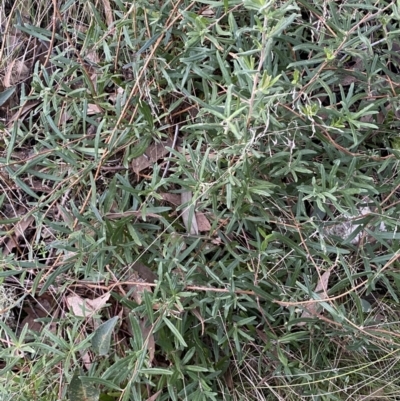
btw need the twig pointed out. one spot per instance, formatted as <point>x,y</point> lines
<point>146,284</point>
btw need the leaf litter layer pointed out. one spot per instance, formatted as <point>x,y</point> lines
<point>199,200</point>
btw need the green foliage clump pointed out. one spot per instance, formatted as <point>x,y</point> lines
<point>277,126</point>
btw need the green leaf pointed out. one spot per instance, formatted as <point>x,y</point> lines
<point>102,337</point>
<point>194,368</point>
<point>156,371</point>
<point>175,331</point>
<point>97,380</point>
<point>5,95</point>
<point>78,391</point>
<point>282,357</point>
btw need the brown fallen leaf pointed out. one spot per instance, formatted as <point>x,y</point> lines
<point>174,199</point>
<point>85,307</point>
<point>229,379</point>
<point>93,57</point>
<point>41,307</point>
<point>86,359</point>
<point>207,12</point>
<point>19,230</point>
<point>86,356</point>
<point>141,274</point>
<point>30,320</point>
<point>312,309</point>
<point>148,337</point>
<point>136,291</point>
<point>202,222</point>
<point>21,114</point>
<point>144,272</point>
<point>211,156</point>
<point>93,109</point>
<point>17,71</point>
<point>153,153</point>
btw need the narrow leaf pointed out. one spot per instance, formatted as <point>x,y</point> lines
<point>175,331</point>
<point>5,95</point>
